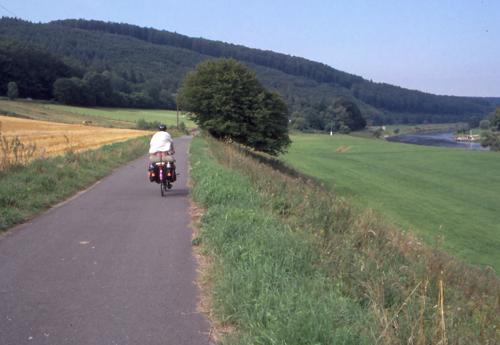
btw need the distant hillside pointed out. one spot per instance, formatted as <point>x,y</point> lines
<point>149,59</point>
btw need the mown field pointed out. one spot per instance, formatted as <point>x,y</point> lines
<point>109,117</point>
<point>52,138</point>
<point>449,197</point>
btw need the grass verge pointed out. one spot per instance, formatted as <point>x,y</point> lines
<point>28,190</point>
<point>266,277</point>
<point>295,264</point>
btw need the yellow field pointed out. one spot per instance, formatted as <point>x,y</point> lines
<point>57,138</point>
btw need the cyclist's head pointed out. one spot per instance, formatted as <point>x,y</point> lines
<point>162,127</point>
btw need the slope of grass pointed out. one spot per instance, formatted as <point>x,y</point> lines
<point>107,117</point>
<point>28,190</point>
<point>168,117</point>
<point>408,293</point>
<point>266,277</point>
<point>39,110</point>
<point>432,191</point>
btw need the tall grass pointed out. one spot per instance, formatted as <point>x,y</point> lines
<point>30,189</point>
<point>266,281</point>
<point>414,294</point>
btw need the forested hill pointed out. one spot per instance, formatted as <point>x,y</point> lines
<point>379,95</point>
<point>289,64</point>
<point>142,59</point>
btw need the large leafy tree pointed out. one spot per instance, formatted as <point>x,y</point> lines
<point>345,116</point>
<point>228,101</point>
<point>495,119</point>
<point>492,138</point>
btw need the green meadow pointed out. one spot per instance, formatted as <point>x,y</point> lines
<point>168,117</point>
<point>449,197</point>
<point>114,117</point>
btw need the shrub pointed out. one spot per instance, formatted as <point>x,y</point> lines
<point>484,124</point>
<point>146,125</point>
<point>12,90</point>
<point>182,127</point>
<point>378,133</point>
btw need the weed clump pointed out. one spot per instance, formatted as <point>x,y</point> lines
<point>183,128</point>
<point>14,152</point>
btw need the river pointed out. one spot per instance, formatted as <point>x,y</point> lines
<point>443,139</point>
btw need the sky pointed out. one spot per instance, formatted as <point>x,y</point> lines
<point>438,46</point>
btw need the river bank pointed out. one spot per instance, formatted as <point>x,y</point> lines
<point>441,139</point>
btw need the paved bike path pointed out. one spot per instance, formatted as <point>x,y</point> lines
<point>112,266</point>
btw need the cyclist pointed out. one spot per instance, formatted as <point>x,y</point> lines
<point>161,148</point>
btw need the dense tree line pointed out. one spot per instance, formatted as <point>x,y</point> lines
<point>109,89</point>
<point>32,71</point>
<point>339,115</point>
<point>39,74</point>
<point>286,63</point>
<point>142,62</point>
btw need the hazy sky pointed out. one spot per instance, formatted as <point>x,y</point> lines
<point>439,46</point>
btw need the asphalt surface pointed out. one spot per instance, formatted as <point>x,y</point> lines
<point>112,266</point>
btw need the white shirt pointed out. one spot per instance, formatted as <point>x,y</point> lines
<point>161,141</point>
